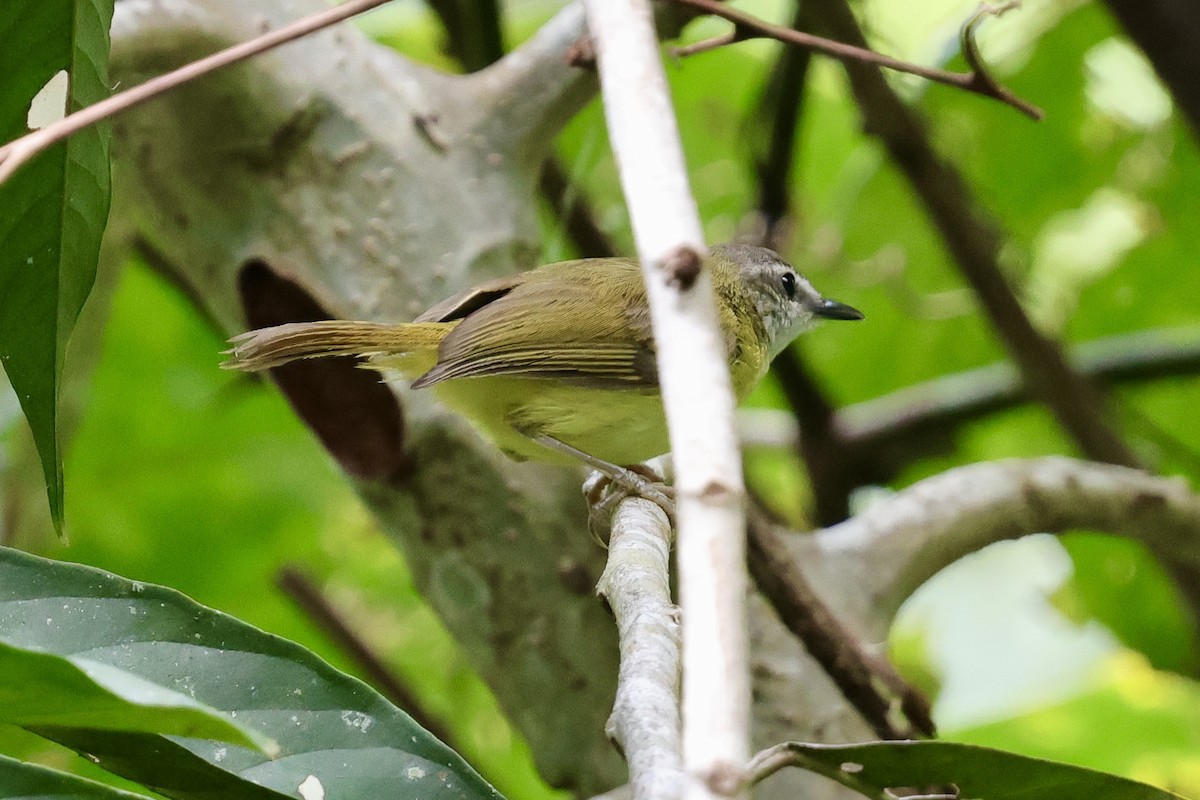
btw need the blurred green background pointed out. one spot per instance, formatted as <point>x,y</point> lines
<point>1075,649</point>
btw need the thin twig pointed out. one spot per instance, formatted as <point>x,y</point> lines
<point>861,678</point>
<point>19,151</point>
<point>297,586</point>
<point>572,206</point>
<point>703,46</point>
<point>977,81</point>
<point>778,110</point>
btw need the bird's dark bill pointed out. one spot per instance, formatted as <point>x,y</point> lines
<point>832,309</point>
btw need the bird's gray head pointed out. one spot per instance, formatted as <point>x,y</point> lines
<point>786,302</point>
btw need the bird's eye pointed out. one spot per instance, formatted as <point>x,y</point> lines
<point>789,285</point>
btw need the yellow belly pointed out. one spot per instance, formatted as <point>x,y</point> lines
<point>620,426</point>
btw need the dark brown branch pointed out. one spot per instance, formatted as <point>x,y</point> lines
<point>312,602</point>
<point>823,444</point>
<point>974,240</point>
<point>17,152</point>
<point>474,34</point>
<point>571,205</point>
<point>861,678</point>
<point>1168,31</point>
<point>977,81</point>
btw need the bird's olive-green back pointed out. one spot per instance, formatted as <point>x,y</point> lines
<point>586,322</point>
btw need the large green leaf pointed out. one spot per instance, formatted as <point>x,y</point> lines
<point>53,210</point>
<point>327,724</point>
<point>978,772</point>
<point>41,689</point>
<point>19,781</point>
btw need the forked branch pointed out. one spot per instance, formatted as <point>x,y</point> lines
<point>978,81</point>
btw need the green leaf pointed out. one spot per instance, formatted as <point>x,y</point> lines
<point>45,690</point>
<point>53,210</point>
<point>20,781</point>
<point>978,772</point>
<point>326,724</point>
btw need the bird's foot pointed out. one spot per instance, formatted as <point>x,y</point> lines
<point>610,484</point>
<point>604,490</point>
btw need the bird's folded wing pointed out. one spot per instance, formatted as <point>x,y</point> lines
<point>554,330</point>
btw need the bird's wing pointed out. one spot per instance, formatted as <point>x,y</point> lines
<point>583,322</point>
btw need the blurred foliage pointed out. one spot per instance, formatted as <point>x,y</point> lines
<point>177,475</point>
<point>1112,575</point>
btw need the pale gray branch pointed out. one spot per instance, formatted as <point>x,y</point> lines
<point>899,543</point>
<point>697,395</point>
<point>645,718</point>
<point>525,97</point>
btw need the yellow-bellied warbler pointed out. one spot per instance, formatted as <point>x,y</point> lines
<point>563,354</point>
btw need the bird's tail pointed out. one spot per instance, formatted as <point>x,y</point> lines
<point>270,347</point>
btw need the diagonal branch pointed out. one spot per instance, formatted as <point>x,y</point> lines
<point>821,444</point>
<point>779,107</point>
<point>19,151</point>
<point>977,81</point>
<point>572,205</point>
<point>871,685</point>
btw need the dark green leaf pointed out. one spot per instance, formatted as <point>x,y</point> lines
<point>977,772</point>
<point>327,724</point>
<point>20,781</point>
<point>53,210</point>
<point>76,691</point>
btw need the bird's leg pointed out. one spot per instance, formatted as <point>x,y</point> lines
<point>638,480</point>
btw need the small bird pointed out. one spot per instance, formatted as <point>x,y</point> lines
<point>557,364</point>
